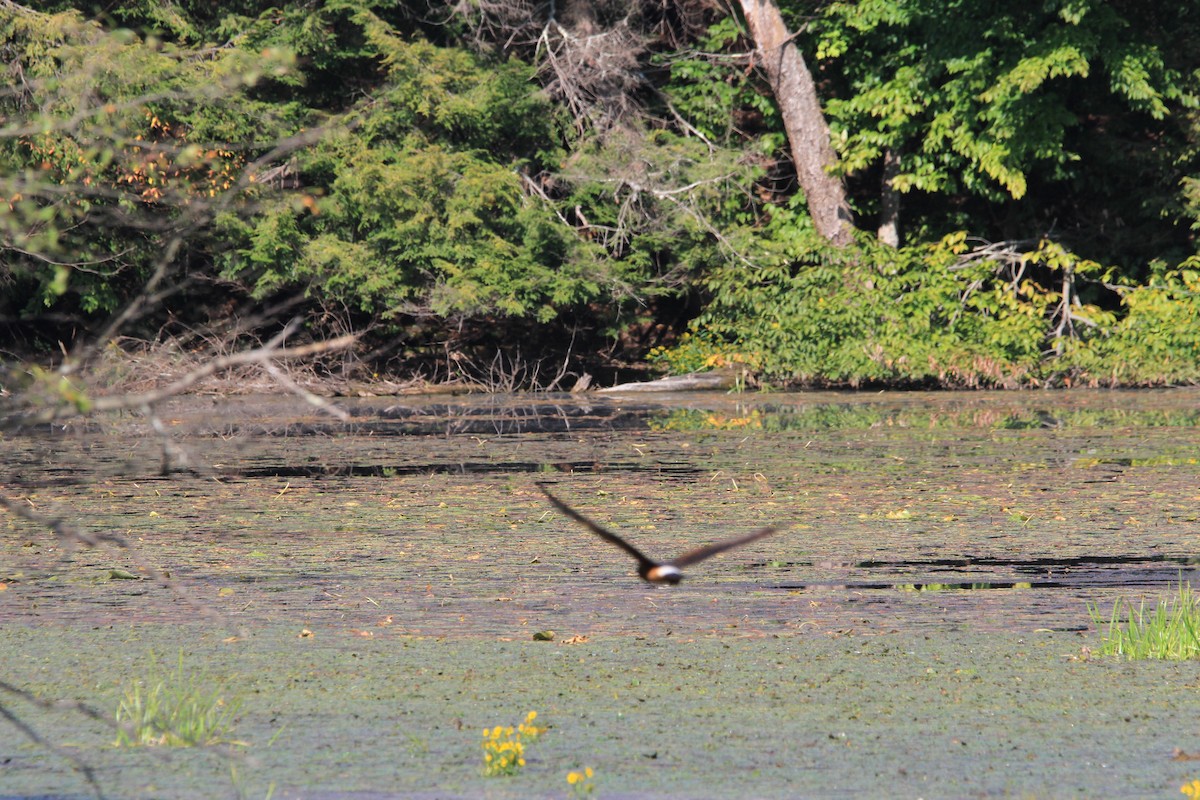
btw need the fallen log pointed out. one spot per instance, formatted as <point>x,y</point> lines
<point>691,382</point>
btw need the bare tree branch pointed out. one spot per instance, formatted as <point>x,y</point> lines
<point>70,536</point>
<point>313,400</point>
<point>32,735</point>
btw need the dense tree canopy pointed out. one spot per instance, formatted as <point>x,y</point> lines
<point>1055,114</point>
<point>465,178</point>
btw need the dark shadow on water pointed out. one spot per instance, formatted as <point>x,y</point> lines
<point>1035,573</point>
<point>1035,565</point>
<point>959,586</point>
<point>455,468</point>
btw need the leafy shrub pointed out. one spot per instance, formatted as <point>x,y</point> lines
<point>940,313</point>
<point>1157,338</point>
<point>113,144</point>
<point>424,208</point>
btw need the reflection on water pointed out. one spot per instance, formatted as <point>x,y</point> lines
<point>488,415</point>
<point>775,417</point>
<point>728,412</point>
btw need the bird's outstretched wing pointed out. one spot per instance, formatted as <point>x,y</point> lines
<point>701,553</point>
<point>595,528</point>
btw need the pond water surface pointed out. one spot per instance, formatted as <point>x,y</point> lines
<point>369,590</point>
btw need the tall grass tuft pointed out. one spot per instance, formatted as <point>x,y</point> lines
<point>175,709</point>
<point>1170,631</point>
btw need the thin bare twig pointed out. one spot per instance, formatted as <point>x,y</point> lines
<point>32,735</point>
<point>70,536</point>
<point>313,400</point>
<point>132,308</point>
<point>261,355</point>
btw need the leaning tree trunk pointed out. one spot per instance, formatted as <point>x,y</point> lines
<point>807,131</point>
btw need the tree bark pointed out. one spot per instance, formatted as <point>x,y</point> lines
<point>804,121</point>
<point>889,201</point>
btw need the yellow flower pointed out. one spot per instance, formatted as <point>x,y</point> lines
<point>574,778</point>
<point>504,747</point>
<point>528,729</point>
<point>1191,789</point>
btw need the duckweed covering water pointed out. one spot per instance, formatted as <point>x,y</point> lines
<point>370,596</point>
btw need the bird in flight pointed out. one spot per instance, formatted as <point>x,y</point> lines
<point>670,572</point>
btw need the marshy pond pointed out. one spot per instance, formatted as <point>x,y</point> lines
<point>365,593</point>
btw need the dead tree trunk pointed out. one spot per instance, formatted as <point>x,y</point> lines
<point>807,131</point>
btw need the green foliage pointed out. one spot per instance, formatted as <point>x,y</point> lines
<point>425,179</point>
<point>977,99</point>
<point>988,108</point>
<point>1156,340</point>
<point>408,227</point>
<point>719,95</point>
<point>697,352</point>
<point>107,148</point>
<point>662,206</point>
<point>942,314</point>
<point>811,313</point>
<point>424,206</point>
<point>450,96</point>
